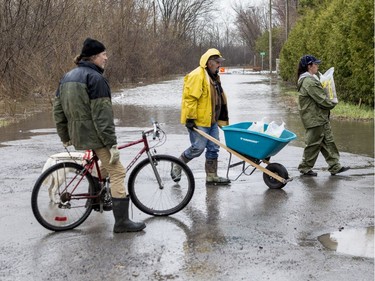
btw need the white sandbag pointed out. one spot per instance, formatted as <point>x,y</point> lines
<point>257,126</point>
<point>275,130</point>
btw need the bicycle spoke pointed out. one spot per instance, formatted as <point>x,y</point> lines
<point>60,198</point>
<point>147,194</point>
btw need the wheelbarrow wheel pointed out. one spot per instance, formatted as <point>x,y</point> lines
<point>278,169</point>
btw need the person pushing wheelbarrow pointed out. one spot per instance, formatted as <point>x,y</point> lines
<point>204,106</point>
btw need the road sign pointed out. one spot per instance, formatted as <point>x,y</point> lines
<point>262,55</point>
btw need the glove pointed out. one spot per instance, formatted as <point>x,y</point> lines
<point>115,155</point>
<point>190,124</point>
<point>66,144</point>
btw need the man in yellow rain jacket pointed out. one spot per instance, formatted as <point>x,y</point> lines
<point>204,106</point>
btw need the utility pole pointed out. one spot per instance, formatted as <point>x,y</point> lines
<point>286,19</point>
<point>270,37</point>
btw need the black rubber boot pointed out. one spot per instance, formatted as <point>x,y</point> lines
<point>121,214</point>
<point>342,169</point>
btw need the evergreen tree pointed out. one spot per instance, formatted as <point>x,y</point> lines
<point>341,33</point>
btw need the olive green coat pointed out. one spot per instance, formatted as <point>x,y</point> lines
<point>313,105</point>
<point>83,109</point>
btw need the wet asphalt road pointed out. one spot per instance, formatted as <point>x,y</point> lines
<point>241,232</point>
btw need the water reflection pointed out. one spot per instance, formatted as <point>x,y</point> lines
<point>250,98</point>
<point>355,242</point>
<point>23,128</point>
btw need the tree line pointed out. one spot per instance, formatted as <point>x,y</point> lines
<point>145,39</point>
<point>148,39</point>
<point>341,34</point>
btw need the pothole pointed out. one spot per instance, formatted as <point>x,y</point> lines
<point>355,242</point>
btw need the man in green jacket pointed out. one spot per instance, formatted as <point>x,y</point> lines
<point>314,108</point>
<point>204,106</point>
<point>84,118</point>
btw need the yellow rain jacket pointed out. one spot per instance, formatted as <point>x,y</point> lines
<point>197,95</point>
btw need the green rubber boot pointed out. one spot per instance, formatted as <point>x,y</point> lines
<point>176,169</point>
<point>211,173</point>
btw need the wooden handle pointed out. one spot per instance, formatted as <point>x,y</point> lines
<point>264,170</point>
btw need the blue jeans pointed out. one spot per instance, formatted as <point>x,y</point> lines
<point>199,143</point>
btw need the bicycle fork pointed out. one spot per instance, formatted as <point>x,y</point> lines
<point>153,165</point>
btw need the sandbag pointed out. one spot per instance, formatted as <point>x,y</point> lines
<point>328,84</point>
<point>275,130</point>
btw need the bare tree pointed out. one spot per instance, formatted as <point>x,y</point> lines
<point>182,17</point>
<point>285,13</point>
<point>250,24</point>
<point>130,28</point>
<point>145,39</point>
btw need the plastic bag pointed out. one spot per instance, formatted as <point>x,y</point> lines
<point>257,126</point>
<point>275,130</point>
<point>329,85</point>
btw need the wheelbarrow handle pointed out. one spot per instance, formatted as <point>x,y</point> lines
<point>264,170</point>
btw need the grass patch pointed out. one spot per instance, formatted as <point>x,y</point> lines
<point>4,122</point>
<point>342,110</point>
<point>351,111</point>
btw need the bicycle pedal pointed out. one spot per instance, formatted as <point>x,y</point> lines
<point>96,209</point>
<point>107,207</point>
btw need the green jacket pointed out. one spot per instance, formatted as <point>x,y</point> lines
<point>83,109</point>
<point>313,105</point>
<point>197,94</point>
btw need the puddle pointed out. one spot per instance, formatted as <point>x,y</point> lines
<point>355,242</point>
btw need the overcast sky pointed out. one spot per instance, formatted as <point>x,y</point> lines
<point>227,10</point>
<point>227,4</point>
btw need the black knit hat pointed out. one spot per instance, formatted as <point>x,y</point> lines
<point>91,47</point>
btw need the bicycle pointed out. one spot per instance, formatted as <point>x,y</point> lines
<point>78,192</point>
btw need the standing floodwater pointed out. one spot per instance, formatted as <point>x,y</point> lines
<point>250,98</point>
<point>244,231</point>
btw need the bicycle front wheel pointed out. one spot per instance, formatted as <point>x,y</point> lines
<point>62,196</point>
<point>165,197</point>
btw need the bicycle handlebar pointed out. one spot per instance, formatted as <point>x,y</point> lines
<point>155,130</point>
<point>155,133</point>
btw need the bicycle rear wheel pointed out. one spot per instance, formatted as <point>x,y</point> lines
<point>153,199</point>
<point>62,196</point>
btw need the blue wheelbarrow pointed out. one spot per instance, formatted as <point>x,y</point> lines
<point>255,148</point>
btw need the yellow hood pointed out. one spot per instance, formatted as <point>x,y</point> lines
<point>207,55</point>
